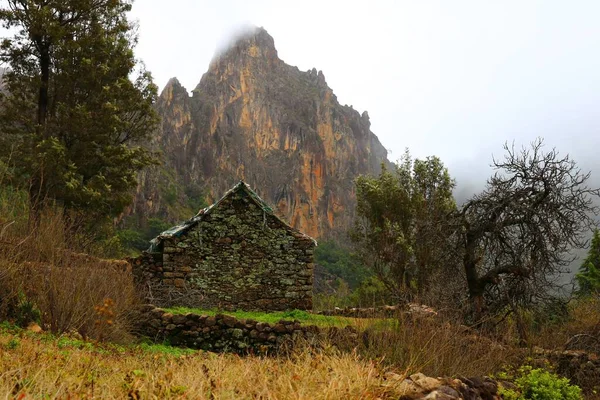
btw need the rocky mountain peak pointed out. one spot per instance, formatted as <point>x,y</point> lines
<point>252,117</point>
<point>173,89</point>
<point>253,46</point>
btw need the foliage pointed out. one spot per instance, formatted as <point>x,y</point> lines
<point>196,197</point>
<point>72,119</point>
<point>553,312</point>
<point>138,238</point>
<point>341,262</point>
<point>516,235</point>
<point>371,292</point>
<point>26,311</point>
<point>402,230</point>
<point>588,277</point>
<point>540,384</point>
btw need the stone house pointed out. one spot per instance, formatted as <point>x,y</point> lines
<point>234,254</point>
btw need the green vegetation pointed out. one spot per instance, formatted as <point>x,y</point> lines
<point>136,239</point>
<point>371,292</point>
<point>72,120</point>
<point>403,232</point>
<point>496,255</point>
<point>540,384</point>
<point>303,317</point>
<point>70,342</point>
<point>588,277</point>
<point>341,262</point>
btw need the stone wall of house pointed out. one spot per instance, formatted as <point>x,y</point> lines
<point>238,256</point>
<point>224,333</point>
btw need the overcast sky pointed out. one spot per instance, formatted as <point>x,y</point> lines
<point>451,78</point>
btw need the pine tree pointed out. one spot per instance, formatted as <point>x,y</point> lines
<point>72,120</point>
<point>588,276</point>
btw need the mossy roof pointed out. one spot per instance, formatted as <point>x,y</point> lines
<point>182,228</point>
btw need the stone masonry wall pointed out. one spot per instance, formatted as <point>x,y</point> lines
<point>224,333</point>
<point>238,256</point>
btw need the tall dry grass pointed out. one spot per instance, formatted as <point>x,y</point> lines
<point>35,367</point>
<point>45,278</point>
<point>414,343</point>
<point>579,329</point>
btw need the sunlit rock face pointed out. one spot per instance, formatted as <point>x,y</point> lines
<point>254,118</point>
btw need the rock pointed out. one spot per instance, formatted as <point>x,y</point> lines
<point>428,384</point>
<point>35,328</point>
<point>229,321</point>
<point>438,395</point>
<point>448,391</point>
<point>179,319</point>
<point>273,134</point>
<point>261,326</point>
<point>409,390</point>
<point>237,333</point>
<point>179,283</point>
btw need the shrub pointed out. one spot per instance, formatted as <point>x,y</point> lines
<point>540,384</point>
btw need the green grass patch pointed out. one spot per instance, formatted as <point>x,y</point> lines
<point>10,336</point>
<point>304,317</point>
<point>164,349</point>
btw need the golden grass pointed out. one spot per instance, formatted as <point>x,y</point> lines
<point>435,348</point>
<point>583,319</point>
<point>37,366</point>
<point>45,277</point>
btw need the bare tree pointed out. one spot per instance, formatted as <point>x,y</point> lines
<point>515,237</point>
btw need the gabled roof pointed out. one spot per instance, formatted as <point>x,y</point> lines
<point>182,228</point>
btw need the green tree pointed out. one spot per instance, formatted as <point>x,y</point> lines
<point>72,119</point>
<point>402,230</point>
<point>588,276</point>
<point>341,262</point>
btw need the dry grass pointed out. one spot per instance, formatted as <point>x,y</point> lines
<point>40,367</point>
<point>436,348</point>
<point>44,277</point>
<point>580,330</point>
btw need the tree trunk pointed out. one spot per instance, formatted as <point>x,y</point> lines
<point>43,93</point>
<point>473,281</point>
<point>36,189</point>
<point>35,200</point>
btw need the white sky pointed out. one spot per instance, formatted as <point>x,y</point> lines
<point>451,78</point>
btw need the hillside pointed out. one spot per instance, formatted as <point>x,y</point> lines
<point>255,118</point>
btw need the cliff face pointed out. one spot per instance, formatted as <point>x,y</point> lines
<point>254,118</point>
